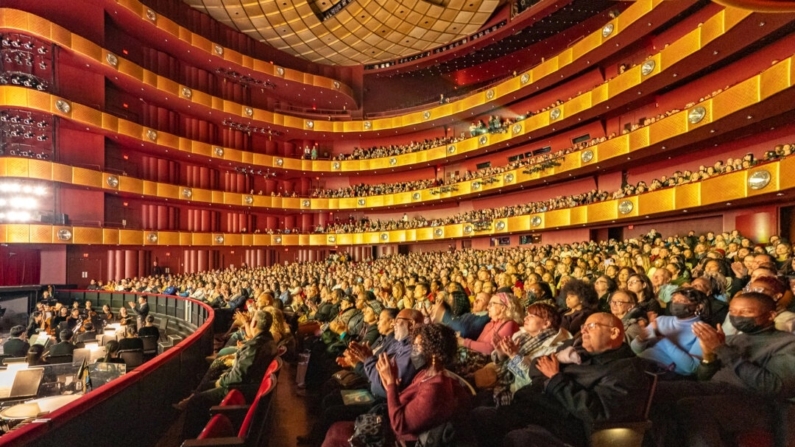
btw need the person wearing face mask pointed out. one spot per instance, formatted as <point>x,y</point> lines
<point>752,370</point>
<point>669,341</point>
<point>774,288</point>
<point>432,398</point>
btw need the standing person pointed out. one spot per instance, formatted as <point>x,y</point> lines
<point>142,311</point>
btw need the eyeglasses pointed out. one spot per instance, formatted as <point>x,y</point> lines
<point>620,302</point>
<point>633,281</point>
<point>592,326</point>
<point>495,303</point>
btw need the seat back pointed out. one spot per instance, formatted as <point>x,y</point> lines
<point>106,338</point>
<point>58,359</point>
<point>233,397</point>
<point>132,358</point>
<point>150,344</point>
<point>625,434</point>
<point>219,426</point>
<point>461,380</point>
<point>254,425</point>
<point>273,367</point>
<point>163,326</point>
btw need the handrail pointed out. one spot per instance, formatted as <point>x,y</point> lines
<point>33,433</point>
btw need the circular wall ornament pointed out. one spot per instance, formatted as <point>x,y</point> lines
<point>608,30</point>
<point>535,221</point>
<point>219,239</point>
<point>647,67</point>
<point>509,178</point>
<point>64,234</point>
<point>277,239</point>
<point>218,151</point>
<point>310,124</point>
<point>151,134</point>
<point>554,114</point>
<point>151,15</point>
<point>476,185</point>
<point>451,149</point>
<point>219,50</point>
<point>151,237</point>
<point>696,114</point>
<point>586,156</point>
<point>759,179</point>
<point>248,200</point>
<point>438,232</point>
<point>483,140</point>
<point>280,71</point>
<point>63,106</point>
<point>384,236</point>
<point>186,92</point>
<point>279,161</point>
<point>468,229</point>
<point>368,125</point>
<point>524,79</point>
<point>248,111</point>
<point>336,85</point>
<point>361,202</point>
<point>416,196</point>
<point>517,128</point>
<point>393,161</point>
<point>332,239</point>
<point>625,206</point>
<point>426,115</point>
<point>112,181</point>
<point>501,225</point>
<point>187,193</point>
<point>336,165</point>
<point>112,60</point>
<point>490,94</point>
<point>306,203</point>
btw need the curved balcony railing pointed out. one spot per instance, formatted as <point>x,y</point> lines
<point>132,410</point>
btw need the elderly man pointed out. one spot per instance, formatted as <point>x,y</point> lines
<point>742,376</point>
<point>601,380</point>
<point>248,367</point>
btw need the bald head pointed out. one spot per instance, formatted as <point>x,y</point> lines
<point>602,332</point>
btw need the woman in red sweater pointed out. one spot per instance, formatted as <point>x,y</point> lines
<point>434,397</point>
<point>506,315</point>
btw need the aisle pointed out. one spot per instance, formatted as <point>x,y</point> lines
<point>291,417</point>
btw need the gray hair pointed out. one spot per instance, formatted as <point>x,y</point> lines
<point>262,320</point>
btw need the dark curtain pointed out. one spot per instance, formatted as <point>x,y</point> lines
<point>19,266</point>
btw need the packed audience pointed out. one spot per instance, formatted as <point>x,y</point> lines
<point>553,340</point>
<point>365,224</point>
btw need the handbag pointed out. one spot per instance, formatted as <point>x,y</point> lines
<point>372,428</point>
<point>350,380</point>
<point>486,377</point>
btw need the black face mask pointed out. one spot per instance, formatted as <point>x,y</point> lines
<point>746,325</point>
<point>531,297</point>
<point>681,310</point>
<point>417,360</point>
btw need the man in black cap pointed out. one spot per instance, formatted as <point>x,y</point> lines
<point>15,346</point>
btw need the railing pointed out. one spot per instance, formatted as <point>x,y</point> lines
<point>134,409</point>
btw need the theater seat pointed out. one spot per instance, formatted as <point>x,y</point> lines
<point>233,397</point>
<point>624,434</point>
<point>218,427</point>
<point>235,406</point>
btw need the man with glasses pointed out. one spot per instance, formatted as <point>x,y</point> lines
<point>599,380</point>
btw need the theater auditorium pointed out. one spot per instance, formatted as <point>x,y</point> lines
<point>383,223</point>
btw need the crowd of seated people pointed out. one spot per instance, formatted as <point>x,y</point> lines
<point>559,337</point>
<point>487,215</point>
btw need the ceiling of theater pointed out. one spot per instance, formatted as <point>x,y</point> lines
<point>354,31</point>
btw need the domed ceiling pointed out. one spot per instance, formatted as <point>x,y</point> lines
<point>351,32</point>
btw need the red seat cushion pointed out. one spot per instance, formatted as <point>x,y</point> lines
<point>218,427</point>
<point>249,419</point>
<point>233,397</point>
<point>272,367</point>
<point>266,383</point>
<point>755,438</point>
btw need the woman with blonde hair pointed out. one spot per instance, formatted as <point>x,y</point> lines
<point>279,328</point>
<point>506,316</point>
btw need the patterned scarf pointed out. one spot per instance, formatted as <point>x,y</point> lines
<point>527,345</point>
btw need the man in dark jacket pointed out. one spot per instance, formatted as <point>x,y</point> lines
<point>15,346</point>
<point>602,380</point>
<point>65,347</point>
<point>141,312</point>
<point>251,362</point>
<point>742,378</point>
